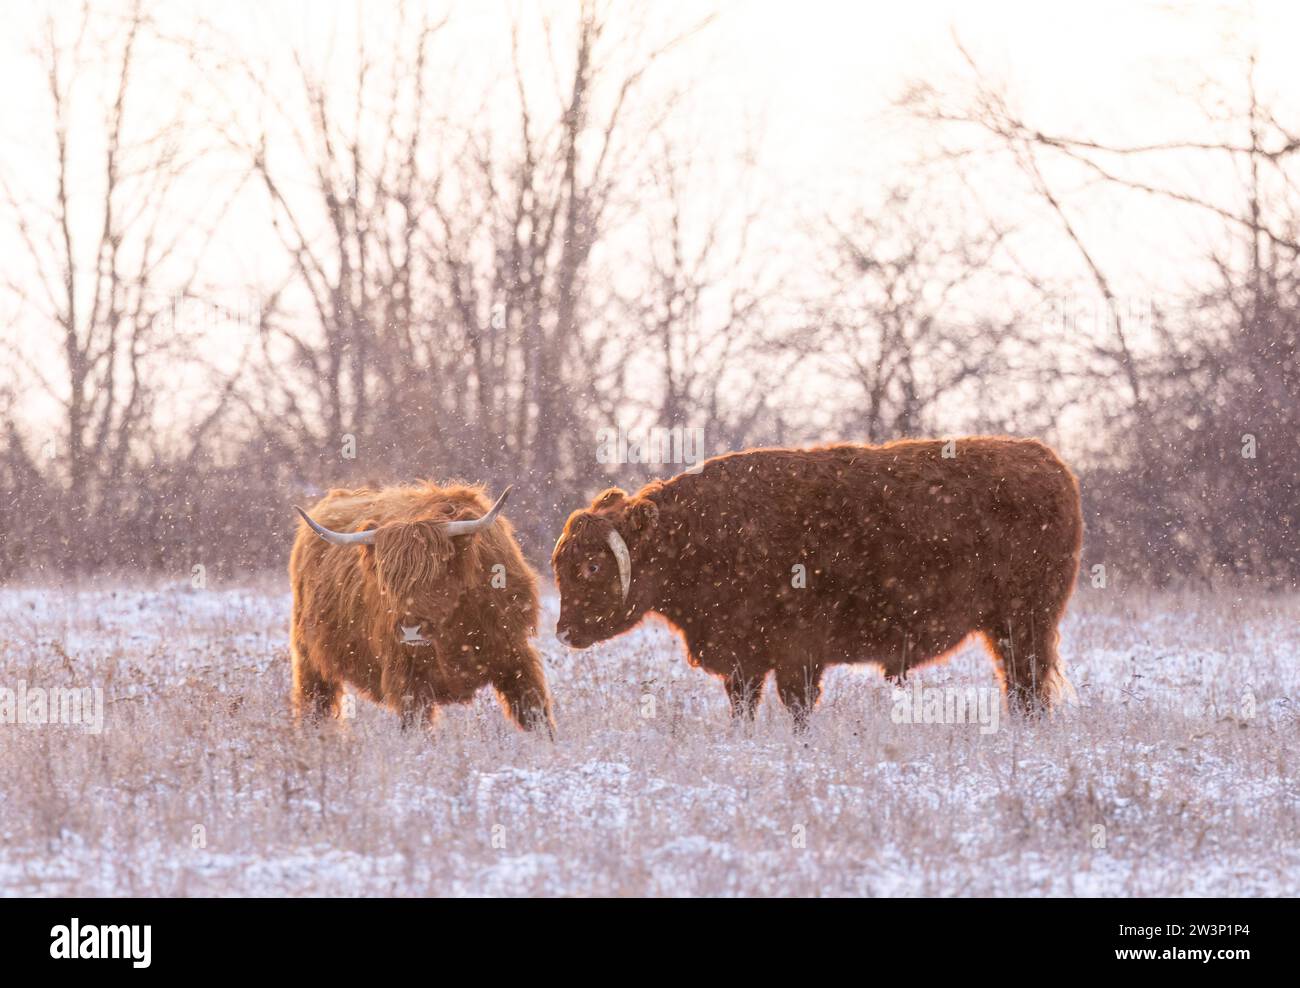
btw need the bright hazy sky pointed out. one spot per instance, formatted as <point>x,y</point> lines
<point>815,81</point>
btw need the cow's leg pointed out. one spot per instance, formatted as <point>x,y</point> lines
<point>744,691</point>
<point>521,685</point>
<point>799,685</point>
<point>416,711</point>
<point>1025,648</point>
<point>742,672</point>
<point>314,695</point>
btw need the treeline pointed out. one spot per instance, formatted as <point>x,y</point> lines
<point>476,295</point>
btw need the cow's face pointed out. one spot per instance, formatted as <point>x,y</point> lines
<point>419,574</point>
<point>423,565</point>
<point>603,592</point>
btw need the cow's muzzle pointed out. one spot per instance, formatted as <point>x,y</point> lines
<point>412,634</point>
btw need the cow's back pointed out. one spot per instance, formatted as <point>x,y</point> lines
<point>872,544</point>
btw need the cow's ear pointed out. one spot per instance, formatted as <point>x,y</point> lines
<point>608,498</point>
<point>643,515</point>
<point>367,551</point>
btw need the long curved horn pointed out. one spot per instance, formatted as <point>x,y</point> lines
<point>338,538</point>
<point>619,548</point>
<point>475,524</point>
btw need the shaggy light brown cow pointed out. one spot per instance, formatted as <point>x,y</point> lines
<point>415,596</point>
<point>795,559</point>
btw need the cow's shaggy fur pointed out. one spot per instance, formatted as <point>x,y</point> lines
<point>795,559</point>
<point>472,598</point>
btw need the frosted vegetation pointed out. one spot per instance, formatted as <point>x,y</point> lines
<point>1179,759</point>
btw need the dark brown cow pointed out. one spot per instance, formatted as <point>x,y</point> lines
<point>416,596</point>
<point>795,559</point>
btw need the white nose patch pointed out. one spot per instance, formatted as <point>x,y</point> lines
<point>411,635</point>
<point>562,637</point>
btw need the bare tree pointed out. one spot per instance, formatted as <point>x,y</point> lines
<point>109,252</point>
<point>1205,382</point>
<point>898,324</point>
<point>704,347</point>
<point>447,264</point>
<point>564,180</point>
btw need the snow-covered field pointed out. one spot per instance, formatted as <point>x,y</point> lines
<point>1175,775</point>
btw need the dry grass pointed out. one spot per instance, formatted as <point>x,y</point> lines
<point>1195,796</point>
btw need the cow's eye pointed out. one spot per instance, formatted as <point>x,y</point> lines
<point>589,569</point>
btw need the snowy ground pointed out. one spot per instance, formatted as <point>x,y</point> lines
<point>1176,775</point>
